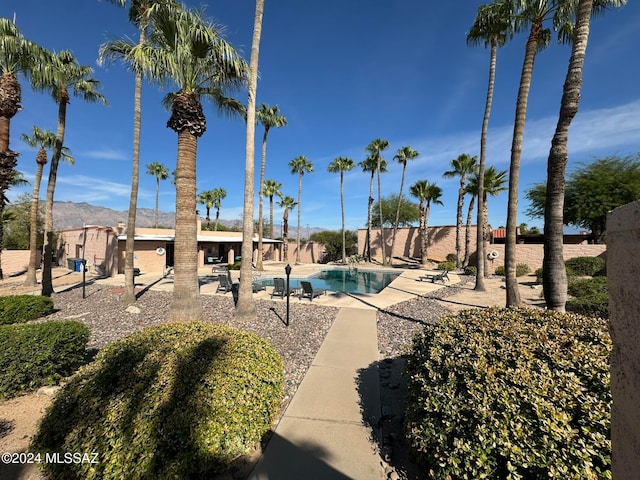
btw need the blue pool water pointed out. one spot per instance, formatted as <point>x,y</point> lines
<point>344,280</point>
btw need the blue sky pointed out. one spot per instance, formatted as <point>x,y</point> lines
<point>343,73</point>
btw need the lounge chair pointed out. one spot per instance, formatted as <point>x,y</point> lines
<point>219,269</point>
<point>279,289</point>
<point>309,292</point>
<point>257,286</point>
<point>436,277</point>
<point>224,284</point>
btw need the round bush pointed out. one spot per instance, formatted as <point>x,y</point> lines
<point>452,257</point>
<point>586,266</point>
<point>521,270</point>
<point>22,308</point>
<point>511,394</point>
<point>590,297</point>
<point>178,400</point>
<point>470,270</point>
<point>448,266</point>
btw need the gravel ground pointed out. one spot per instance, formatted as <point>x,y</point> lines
<point>108,320</point>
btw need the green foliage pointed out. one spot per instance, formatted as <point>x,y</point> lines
<point>470,270</point>
<point>592,191</point>
<point>22,308</point>
<point>499,270</point>
<point>511,394</point>
<point>538,273</point>
<point>585,266</point>
<point>17,224</point>
<point>448,266</point>
<point>409,213</point>
<point>35,354</point>
<point>177,400</point>
<point>332,241</point>
<point>452,257</point>
<point>591,297</point>
<point>521,270</point>
<point>235,265</point>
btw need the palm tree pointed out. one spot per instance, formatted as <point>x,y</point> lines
<point>189,51</point>
<point>269,117</point>
<point>494,183</point>
<point>491,27</point>
<point>287,203</point>
<point>207,199</point>
<point>403,155</point>
<point>461,167</point>
<point>370,164</point>
<point>554,279</point>
<point>125,51</point>
<point>300,165</point>
<point>43,140</point>
<point>246,308</point>
<point>374,148</point>
<point>270,188</point>
<point>56,76</point>
<point>341,165</point>
<point>218,195</point>
<point>426,193</point>
<point>159,171</point>
<point>17,56</point>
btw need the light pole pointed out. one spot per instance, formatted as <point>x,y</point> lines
<point>287,270</point>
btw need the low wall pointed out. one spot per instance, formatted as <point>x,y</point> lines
<point>533,254</point>
<point>16,261</point>
<point>310,252</point>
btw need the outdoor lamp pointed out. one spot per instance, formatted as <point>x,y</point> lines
<point>287,270</point>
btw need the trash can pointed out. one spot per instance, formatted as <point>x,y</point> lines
<point>235,292</point>
<point>71,264</point>
<point>78,265</point>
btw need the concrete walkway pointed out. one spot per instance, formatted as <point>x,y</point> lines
<point>323,434</point>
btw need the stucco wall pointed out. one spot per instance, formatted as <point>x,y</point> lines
<point>101,246</point>
<point>310,252</point>
<point>16,261</point>
<point>623,271</point>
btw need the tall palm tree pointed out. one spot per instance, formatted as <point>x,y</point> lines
<point>492,27</point>
<point>219,194</point>
<point>341,165</point>
<point>269,117</point>
<point>158,170</point>
<point>270,188</point>
<point>554,280</point>
<point>426,193</point>
<point>246,308</point>
<point>299,166</point>
<point>59,75</point>
<point>370,164</point>
<point>461,167</point>
<point>494,183</point>
<point>374,148</point>
<point>43,140</point>
<point>125,51</point>
<point>17,56</point>
<point>187,50</point>
<point>287,203</point>
<point>404,155</point>
<point>207,198</point>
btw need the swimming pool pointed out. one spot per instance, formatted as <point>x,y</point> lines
<point>345,280</point>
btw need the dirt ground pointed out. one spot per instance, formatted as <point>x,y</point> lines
<point>19,416</point>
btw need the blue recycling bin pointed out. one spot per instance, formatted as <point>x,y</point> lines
<point>78,265</point>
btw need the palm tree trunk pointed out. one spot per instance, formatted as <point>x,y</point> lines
<point>157,199</point>
<point>481,232</point>
<point>467,235</point>
<point>186,305</point>
<point>246,308</point>
<point>47,282</point>
<point>395,224</point>
<point>344,240</point>
<point>423,235</point>
<point>285,235</point>
<point>513,294</point>
<point>271,248</point>
<point>459,222</point>
<point>369,217</point>
<point>382,240</point>
<point>261,199</point>
<point>31,280</point>
<point>215,225</point>
<point>554,278</point>
<point>299,207</point>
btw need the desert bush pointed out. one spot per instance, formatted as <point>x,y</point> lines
<point>521,270</point>
<point>591,297</point>
<point>511,394</point>
<point>585,266</point>
<point>22,308</point>
<point>538,274</point>
<point>235,265</point>
<point>177,400</point>
<point>470,270</point>
<point>448,266</point>
<point>452,257</point>
<point>499,270</point>
<point>36,354</point>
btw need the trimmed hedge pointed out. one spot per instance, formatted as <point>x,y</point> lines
<point>448,266</point>
<point>36,354</point>
<point>22,308</point>
<point>470,270</point>
<point>586,266</point>
<point>591,297</point>
<point>177,400</point>
<point>511,394</point>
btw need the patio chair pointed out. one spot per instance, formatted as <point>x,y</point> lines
<point>309,292</point>
<point>436,277</point>
<point>279,289</point>
<point>224,284</point>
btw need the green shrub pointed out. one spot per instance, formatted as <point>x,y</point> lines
<point>511,394</point>
<point>521,269</point>
<point>499,270</point>
<point>35,354</point>
<point>448,266</point>
<point>178,400</point>
<point>22,308</point>
<point>570,274</point>
<point>538,273</point>
<point>585,266</point>
<point>235,266</point>
<point>591,297</point>
<point>452,257</point>
<point>470,270</point>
